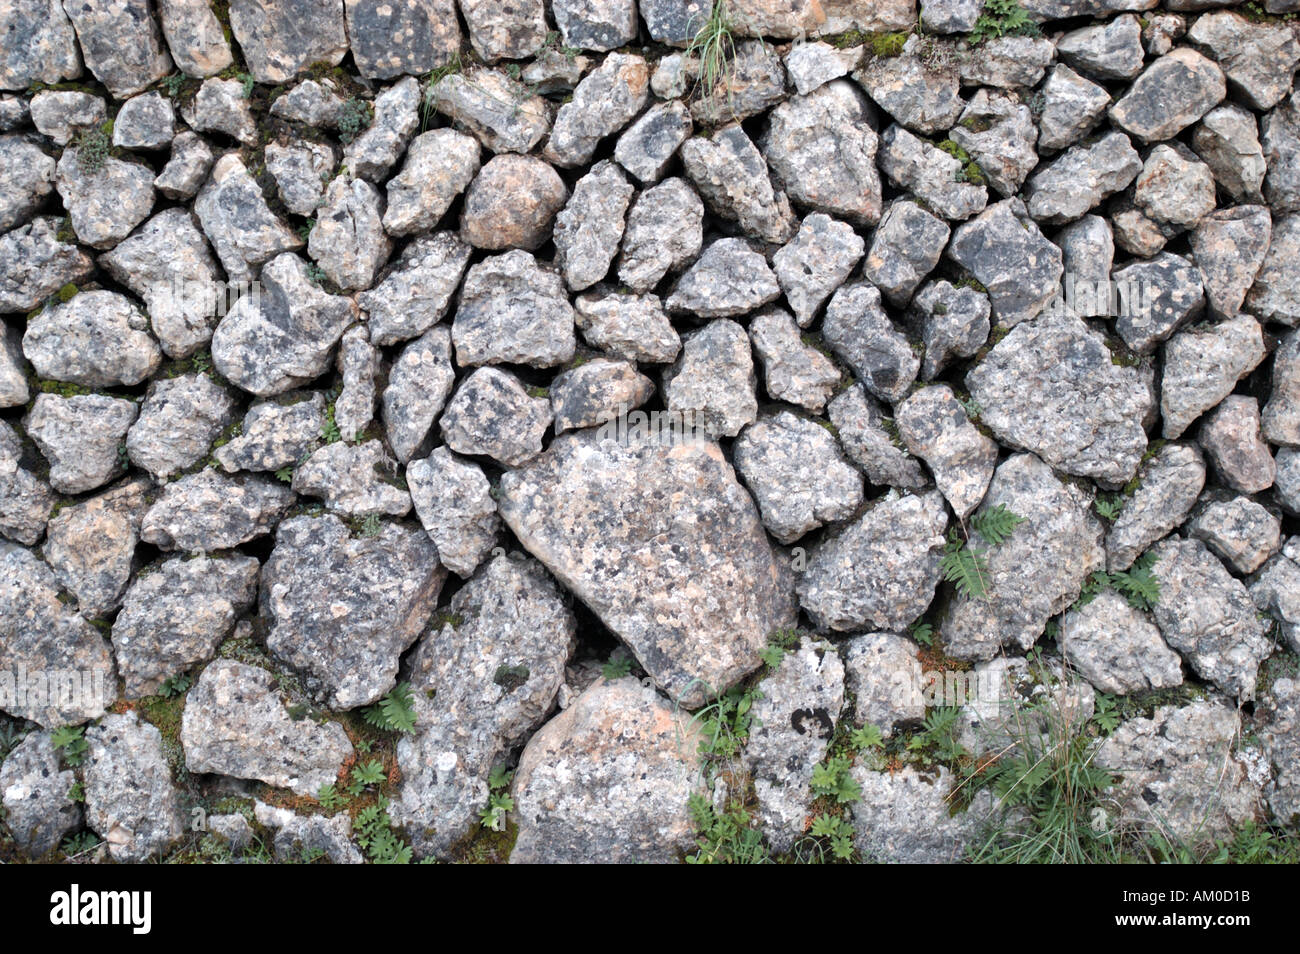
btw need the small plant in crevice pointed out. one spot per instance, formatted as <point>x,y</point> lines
<point>966,566</point>
<point>922,632</point>
<point>94,145</point>
<point>1002,18</point>
<point>177,685</point>
<point>1108,506</point>
<point>70,740</point>
<point>395,712</point>
<point>330,798</point>
<point>832,780</point>
<point>354,117</point>
<point>714,46</point>
<point>494,815</point>
<point>1138,584</point>
<point>617,666</point>
<point>364,775</point>
<point>373,830</point>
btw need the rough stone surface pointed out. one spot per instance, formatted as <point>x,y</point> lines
<point>1117,648</point>
<point>131,801</point>
<point>454,502</point>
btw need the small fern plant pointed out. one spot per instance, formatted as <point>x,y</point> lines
<point>966,566</point>
<point>395,712</point>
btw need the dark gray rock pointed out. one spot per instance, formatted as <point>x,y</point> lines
<point>491,414</point>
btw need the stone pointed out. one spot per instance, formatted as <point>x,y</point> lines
<point>597,391</point>
<point>513,311</point>
<point>417,291</point>
<point>131,801</point>
<point>797,473</point>
<point>1050,387</point>
<point>553,71</point>
<point>187,168</point>
<point>312,103</point>
<point>104,202</point>
<point>179,420</point>
<point>794,715</point>
<point>1072,107</point>
<point>862,335</point>
<point>935,177</point>
<point>439,166</point>
<point>121,43</point>
<point>1172,93</point>
<point>590,227</point>
<point>792,370</point>
<point>633,327</point>
<point>1281,415</point>
<point>813,64</point>
<point>1008,62</point>
<point>697,621</point>
<point>40,45</point>
<point>500,32</point>
<point>605,101</point>
<point>243,230</point>
<point>712,384</point>
<point>168,265</point>
<point>34,264</point>
<point>664,232</point>
<point>90,545</point>
<point>935,428</point>
<point>418,384</point>
<point>881,571</point>
<point>922,98</point>
<point>410,37</point>
<point>281,40</point>
<point>1275,589</point>
<point>904,249</point>
<point>491,414</point>
<point>1072,185</point>
<point>303,839</point>
<point>1036,572</point>
<point>34,792</point>
<point>501,113</point>
<point>176,615</point>
<point>884,675</point>
<point>1163,294</point>
<point>1231,439</point>
<point>1112,51</point>
<point>27,178</point>
<point>1280,140</point>
<point>638,755</point>
<point>1202,366</point>
<point>733,178</point>
<point>66,663</point>
<point>1258,59</point>
<point>998,132</point>
<point>373,153</point>
<point>1117,648</point>
<point>907,816</point>
<point>1229,246</point>
<point>302,170</point>
<point>1174,189</point>
<point>284,337</point>
<point>1239,531</point>
<point>1088,252</point>
<point>96,339</point>
<point>220,106</point>
<point>1275,296</point>
<point>1178,771</point>
<point>815,262</point>
<point>342,609</point>
<point>14,390</point>
<point>208,511</point>
<point>144,122</point>
<point>1227,140</point>
<point>1169,484</point>
<point>1007,254</point>
<point>359,365</point>
<point>454,502</point>
<point>234,724</point>
<point>1207,615</point>
<point>600,25</point>
<point>646,148</point>
<point>274,435</point>
<point>491,677</point>
<point>354,480</point>
<point>954,323</point>
<point>25,499</point>
<point>860,423</point>
<point>348,241</point>
<point>1286,486</point>
<point>194,36</point>
<point>81,438</point>
<point>729,279</point>
<point>1281,735</point>
<point>62,114</point>
<point>753,82</point>
<point>950,16</point>
<point>512,203</point>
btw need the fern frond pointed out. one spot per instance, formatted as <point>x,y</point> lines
<point>965,568</point>
<point>996,524</point>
